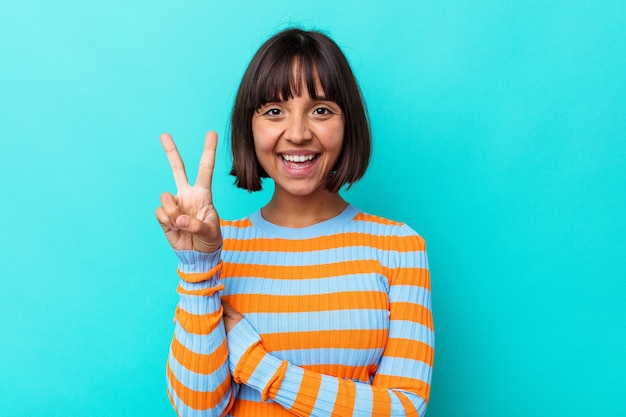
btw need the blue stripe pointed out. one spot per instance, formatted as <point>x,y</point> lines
<point>418,402</point>
<point>411,330</point>
<point>327,395</point>
<point>190,261</point>
<point>396,405</point>
<point>323,228</point>
<point>360,226</point>
<point>380,229</point>
<point>320,320</point>
<point>416,259</point>
<point>410,294</point>
<point>248,393</point>
<point>199,305</point>
<point>364,400</point>
<point>330,356</point>
<point>312,286</point>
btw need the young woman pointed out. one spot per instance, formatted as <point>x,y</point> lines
<point>308,306</point>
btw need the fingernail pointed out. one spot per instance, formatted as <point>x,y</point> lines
<point>182,221</point>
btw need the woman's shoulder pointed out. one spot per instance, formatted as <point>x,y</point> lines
<point>392,230</point>
<point>375,219</point>
<point>237,229</point>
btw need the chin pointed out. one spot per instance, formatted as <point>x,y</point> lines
<point>304,191</point>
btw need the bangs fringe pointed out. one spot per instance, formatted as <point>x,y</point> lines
<point>283,77</point>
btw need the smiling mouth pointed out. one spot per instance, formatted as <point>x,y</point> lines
<point>298,161</point>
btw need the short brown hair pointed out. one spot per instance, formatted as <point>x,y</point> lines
<point>270,77</point>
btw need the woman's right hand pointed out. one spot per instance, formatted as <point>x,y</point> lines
<point>189,219</point>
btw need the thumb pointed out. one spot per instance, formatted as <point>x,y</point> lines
<point>205,239</point>
<point>190,224</point>
<point>182,222</point>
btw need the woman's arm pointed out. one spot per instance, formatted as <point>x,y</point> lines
<point>198,378</point>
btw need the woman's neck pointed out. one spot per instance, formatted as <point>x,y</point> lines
<point>302,211</point>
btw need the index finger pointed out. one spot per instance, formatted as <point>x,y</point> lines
<point>207,161</point>
<point>176,162</point>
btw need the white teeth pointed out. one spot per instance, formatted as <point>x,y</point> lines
<point>298,158</point>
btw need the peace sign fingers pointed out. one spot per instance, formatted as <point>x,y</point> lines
<point>207,162</point>
<point>176,162</point>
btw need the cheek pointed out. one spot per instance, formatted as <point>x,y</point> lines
<point>262,148</point>
<point>334,138</point>
<point>260,141</point>
<point>263,136</point>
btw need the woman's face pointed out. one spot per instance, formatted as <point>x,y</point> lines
<point>298,142</point>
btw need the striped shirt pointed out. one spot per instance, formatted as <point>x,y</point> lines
<point>337,321</point>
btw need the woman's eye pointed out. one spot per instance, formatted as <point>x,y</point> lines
<point>321,111</point>
<point>273,112</point>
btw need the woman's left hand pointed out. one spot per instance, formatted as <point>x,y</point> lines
<point>230,315</point>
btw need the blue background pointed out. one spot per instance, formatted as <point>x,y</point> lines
<point>500,136</point>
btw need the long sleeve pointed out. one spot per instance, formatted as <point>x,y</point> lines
<point>337,322</point>
<point>198,378</point>
<point>401,383</point>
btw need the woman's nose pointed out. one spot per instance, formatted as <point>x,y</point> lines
<point>298,130</point>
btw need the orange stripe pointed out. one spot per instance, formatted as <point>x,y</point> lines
<point>307,394</point>
<point>375,219</point>
<point>419,277</point>
<point>258,409</point>
<point>204,292</point>
<point>195,277</point>
<point>400,276</point>
<point>346,395</point>
<point>256,303</point>
<point>415,386</point>
<point>381,401</point>
<point>409,408</point>
<point>197,362</point>
<point>412,312</point>
<point>338,339</point>
<point>198,324</point>
<point>242,223</point>
<point>196,399</point>
<point>397,243</point>
<point>410,349</point>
